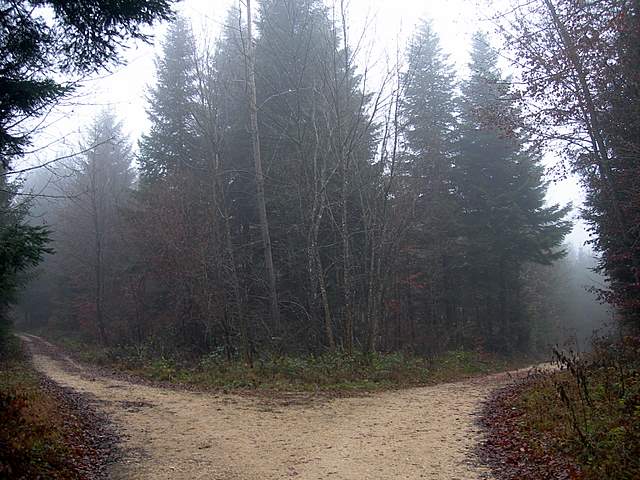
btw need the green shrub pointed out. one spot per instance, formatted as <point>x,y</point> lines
<point>335,370</point>
<point>163,369</point>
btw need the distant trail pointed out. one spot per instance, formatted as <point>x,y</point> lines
<point>420,433</point>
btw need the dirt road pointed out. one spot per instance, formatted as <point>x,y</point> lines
<point>420,433</point>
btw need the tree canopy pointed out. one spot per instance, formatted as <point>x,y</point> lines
<point>42,41</point>
<point>45,47</point>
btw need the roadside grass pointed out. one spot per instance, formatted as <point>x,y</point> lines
<point>34,432</point>
<point>331,371</point>
<point>589,411</point>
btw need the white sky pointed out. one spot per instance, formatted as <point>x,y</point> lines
<point>383,20</point>
<point>386,23</point>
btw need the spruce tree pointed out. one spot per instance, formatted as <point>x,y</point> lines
<point>316,150</point>
<point>169,148</point>
<point>22,247</point>
<point>88,234</point>
<point>41,43</point>
<point>293,51</point>
<point>429,104</point>
<point>176,248</point>
<point>502,192</point>
<point>429,111</point>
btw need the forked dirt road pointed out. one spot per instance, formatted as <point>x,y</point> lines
<point>420,433</point>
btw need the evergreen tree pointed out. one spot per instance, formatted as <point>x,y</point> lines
<point>170,147</point>
<point>499,182</point>
<point>230,84</point>
<point>22,247</point>
<point>429,109</point>
<point>292,54</point>
<point>316,149</point>
<point>429,104</point>
<point>40,43</point>
<point>39,40</point>
<point>87,236</point>
<point>581,80</point>
<point>179,209</point>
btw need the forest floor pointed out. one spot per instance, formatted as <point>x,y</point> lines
<point>426,432</point>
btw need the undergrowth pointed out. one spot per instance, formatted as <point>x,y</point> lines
<point>33,435</point>
<point>339,371</point>
<point>590,410</point>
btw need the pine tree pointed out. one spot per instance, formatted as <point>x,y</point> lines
<point>429,104</point>
<point>291,54</point>
<point>41,40</point>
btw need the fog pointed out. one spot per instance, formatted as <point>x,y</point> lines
<point>396,217</point>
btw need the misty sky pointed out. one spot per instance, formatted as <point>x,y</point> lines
<point>386,26</point>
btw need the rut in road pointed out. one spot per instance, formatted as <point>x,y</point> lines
<point>419,433</point>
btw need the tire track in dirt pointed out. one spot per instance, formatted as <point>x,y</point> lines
<point>419,433</point>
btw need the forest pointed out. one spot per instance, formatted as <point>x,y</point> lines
<point>293,199</point>
<point>412,217</point>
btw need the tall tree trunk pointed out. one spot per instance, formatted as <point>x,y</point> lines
<point>344,158</point>
<point>316,270</point>
<point>255,144</point>
<point>221,202</point>
<point>328,328</point>
<point>98,267</point>
<point>346,267</point>
<point>372,314</point>
<point>99,293</point>
<point>595,131</point>
<point>237,296</point>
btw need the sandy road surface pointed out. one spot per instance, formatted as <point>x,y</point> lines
<point>426,432</point>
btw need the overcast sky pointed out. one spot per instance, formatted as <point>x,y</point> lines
<point>386,23</point>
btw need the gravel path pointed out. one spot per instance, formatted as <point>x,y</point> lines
<point>420,433</point>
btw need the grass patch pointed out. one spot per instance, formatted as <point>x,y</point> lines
<point>590,411</point>
<point>34,437</point>
<point>332,371</point>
